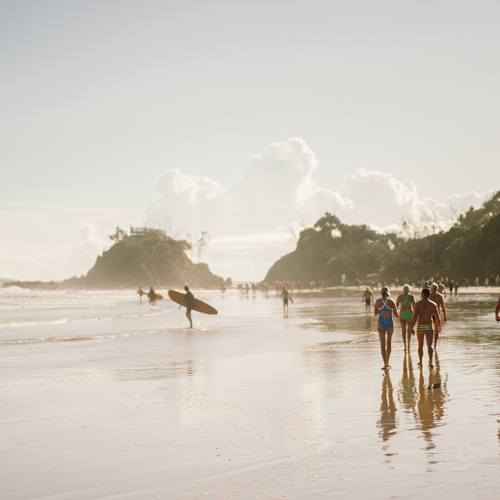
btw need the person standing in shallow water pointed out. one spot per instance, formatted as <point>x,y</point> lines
<point>367,297</point>
<point>424,311</point>
<point>385,307</point>
<point>152,295</point>
<point>497,311</point>
<point>406,302</point>
<point>189,303</point>
<point>285,296</point>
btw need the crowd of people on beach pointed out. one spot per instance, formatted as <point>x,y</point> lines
<point>426,314</point>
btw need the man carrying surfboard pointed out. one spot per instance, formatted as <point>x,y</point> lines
<point>189,303</point>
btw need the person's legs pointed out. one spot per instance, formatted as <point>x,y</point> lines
<point>420,339</point>
<point>436,333</point>
<point>408,334</point>
<point>381,334</point>
<point>388,348</point>
<point>403,331</point>
<point>430,352</point>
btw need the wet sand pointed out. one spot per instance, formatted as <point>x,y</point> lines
<point>255,405</point>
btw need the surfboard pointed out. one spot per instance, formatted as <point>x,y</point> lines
<point>199,305</point>
<point>157,296</point>
<point>290,297</point>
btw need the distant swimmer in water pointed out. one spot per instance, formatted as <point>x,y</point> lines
<point>384,308</point>
<point>285,296</point>
<point>189,303</point>
<point>438,299</point>
<point>367,297</point>
<point>497,311</point>
<point>424,311</point>
<point>406,302</point>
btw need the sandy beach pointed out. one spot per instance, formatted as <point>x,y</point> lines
<point>106,398</point>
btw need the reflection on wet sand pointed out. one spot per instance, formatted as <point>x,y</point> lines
<point>430,405</point>
<point>427,400</point>
<point>387,421</point>
<point>407,392</point>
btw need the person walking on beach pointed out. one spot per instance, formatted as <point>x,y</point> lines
<point>367,297</point>
<point>384,307</point>
<point>438,299</point>
<point>405,302</point>
<point>152,296</point>
<point>497,311</point>
<point>189,303</point>
<point>285,295</point>
<point>424,311</point>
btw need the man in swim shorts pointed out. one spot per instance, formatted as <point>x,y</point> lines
<point>423,313</point>
<point>438,299</point>
<point>367,297</point>
<point>189,303</point>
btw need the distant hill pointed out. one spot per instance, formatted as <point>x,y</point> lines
<point>149,259</point>
<point>330,249</point>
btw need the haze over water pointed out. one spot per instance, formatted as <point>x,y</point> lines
<point>105,398</point>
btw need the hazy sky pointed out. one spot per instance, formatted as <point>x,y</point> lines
<point>239,118</point>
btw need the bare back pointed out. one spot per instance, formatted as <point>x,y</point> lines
<point>437,298</point>
<point>384,313</point>
<point>425,309</point>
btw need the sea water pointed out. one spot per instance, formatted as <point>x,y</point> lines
<point>106,397</point>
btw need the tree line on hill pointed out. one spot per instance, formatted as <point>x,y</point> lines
<point>470,248</point>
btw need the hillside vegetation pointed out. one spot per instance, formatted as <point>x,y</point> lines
<point>469,249</point>
<point>152,259</point>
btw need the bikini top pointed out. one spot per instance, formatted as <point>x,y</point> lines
<point>385,307</point>
<point>405,302</point>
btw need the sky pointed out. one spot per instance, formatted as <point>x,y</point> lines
<point>247,120</point>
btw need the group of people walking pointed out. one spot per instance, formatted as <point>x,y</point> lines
<point>425,314</point>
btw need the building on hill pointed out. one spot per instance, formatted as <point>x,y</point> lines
<point>146,231</point>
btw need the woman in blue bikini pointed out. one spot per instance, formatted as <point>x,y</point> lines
<point>384,308</point>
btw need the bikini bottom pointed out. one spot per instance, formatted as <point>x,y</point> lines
<point>406,315</point>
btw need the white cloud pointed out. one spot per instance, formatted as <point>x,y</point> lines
<point>89,243</point>
<point>277,187</point>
